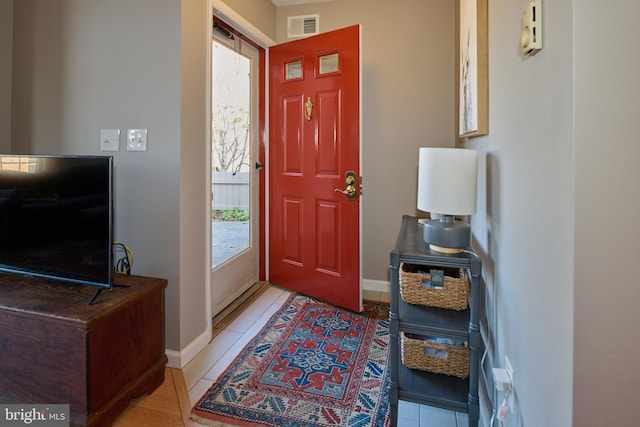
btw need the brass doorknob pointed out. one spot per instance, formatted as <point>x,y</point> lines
<point>350,191</point>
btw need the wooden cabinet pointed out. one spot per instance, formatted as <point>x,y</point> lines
<point>56,348</point>
<point>444,391</point>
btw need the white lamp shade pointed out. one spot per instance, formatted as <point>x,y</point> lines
<point>447,180</point>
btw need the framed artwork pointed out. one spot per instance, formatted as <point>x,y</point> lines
<point>473,83</point>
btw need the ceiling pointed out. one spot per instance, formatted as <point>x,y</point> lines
<point>292,2</point>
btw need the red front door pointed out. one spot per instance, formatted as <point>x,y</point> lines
<point>314,145</point>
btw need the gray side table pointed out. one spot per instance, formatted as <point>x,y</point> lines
<point>447,392</point>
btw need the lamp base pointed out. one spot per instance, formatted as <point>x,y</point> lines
<point>444,250</point>
<point>447,235</point>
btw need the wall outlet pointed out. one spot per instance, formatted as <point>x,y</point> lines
<point>501,380</point>
<point>510,372</point>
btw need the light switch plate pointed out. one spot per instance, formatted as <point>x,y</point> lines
<point>109,139</point>
<point>136,140</point>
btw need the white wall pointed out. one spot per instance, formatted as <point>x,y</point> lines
<point>607,206</point>
<point>260,14</point>
<point>525,222</point>
<point>195,212</point>
<point>557,223</point>
<point>6,49</point>
<point>90,64</point>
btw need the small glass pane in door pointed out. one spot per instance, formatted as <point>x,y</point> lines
<point>293,70</point>
<point>329,63</point>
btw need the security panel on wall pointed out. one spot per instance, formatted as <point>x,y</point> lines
<point>531,35</point>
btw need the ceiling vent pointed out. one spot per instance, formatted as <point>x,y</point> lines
<point>302,26</point>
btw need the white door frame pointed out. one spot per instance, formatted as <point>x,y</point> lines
<point>218,8</point>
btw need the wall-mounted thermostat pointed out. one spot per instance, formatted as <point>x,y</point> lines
<point>531,35</point>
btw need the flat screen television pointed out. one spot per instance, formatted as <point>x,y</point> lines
<point>56,218</point>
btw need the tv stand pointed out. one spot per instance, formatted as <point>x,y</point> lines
<point>55,348</point>
<point>95,296</point>
<point>99,291</point>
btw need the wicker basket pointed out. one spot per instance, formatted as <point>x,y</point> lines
<point>453,296</point>
<point>437,355</point>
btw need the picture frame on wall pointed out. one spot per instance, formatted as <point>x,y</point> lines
<point>473,82</point>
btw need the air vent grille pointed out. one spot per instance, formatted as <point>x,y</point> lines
<point>302,26</point>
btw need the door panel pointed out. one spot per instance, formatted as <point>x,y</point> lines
<point>328,240</point>
<point>292,141</point>
<point>292,242</point>
<point>314,230</point>
<point>328,130</point>
<point>235,98</point>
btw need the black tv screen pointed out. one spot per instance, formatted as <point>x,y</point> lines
<point>56,218</point>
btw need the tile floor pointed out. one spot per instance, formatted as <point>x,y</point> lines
<point>205,368</point>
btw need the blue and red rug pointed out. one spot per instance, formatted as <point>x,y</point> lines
<point>312,365</point>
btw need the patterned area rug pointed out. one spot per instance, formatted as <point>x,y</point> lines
<point>312,365</point>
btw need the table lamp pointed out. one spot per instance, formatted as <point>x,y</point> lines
<point>447,186</point>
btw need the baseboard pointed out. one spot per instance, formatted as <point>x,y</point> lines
<point>179,359</point>
<point>376,285</point>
